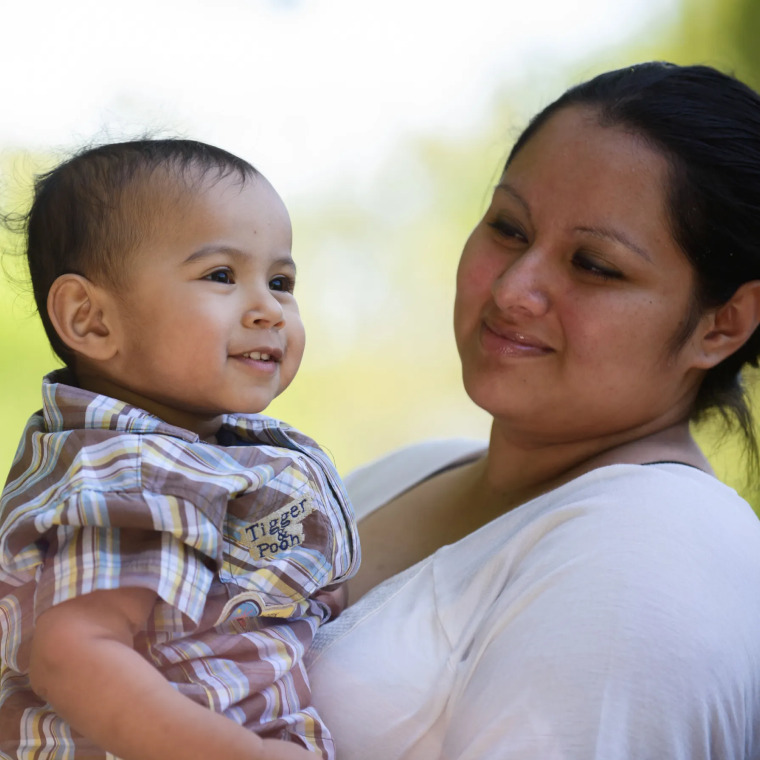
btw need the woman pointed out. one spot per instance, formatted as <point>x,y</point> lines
<point>584,587</point>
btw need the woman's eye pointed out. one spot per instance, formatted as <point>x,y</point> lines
<point>507,230</point>
<point>282,284</point>
<point>223,276</point>
<point>589,265</point>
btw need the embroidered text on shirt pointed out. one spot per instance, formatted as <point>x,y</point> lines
<point>280,531</point>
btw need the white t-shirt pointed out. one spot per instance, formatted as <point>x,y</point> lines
<point>616,617</point>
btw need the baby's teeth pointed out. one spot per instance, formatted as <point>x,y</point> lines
<point>265,357</point>
<point>255,355</point>
<point>247,356</point>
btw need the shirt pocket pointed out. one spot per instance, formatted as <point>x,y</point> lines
<point>280,556</point>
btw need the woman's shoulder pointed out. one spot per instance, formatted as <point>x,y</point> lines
<point>382,480</point>
<point>677,515</point>
<point>645,514</point>
<point>637,536</point>
<point>660,495</point>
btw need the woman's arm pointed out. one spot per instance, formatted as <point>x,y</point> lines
<point>83,663</point>
<point>414,525</point>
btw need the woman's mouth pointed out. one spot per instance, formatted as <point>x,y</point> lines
<point>506,341</point>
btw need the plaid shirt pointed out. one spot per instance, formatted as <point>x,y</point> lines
<point>234,539</point>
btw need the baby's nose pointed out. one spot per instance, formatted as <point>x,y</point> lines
<point>266,312</point>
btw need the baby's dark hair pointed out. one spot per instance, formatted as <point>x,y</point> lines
<point>91,212</point>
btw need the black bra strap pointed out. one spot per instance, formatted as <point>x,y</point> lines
<point>665,461</point>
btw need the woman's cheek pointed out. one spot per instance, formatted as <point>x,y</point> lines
<point>468,303</point>
<point>479,269</point>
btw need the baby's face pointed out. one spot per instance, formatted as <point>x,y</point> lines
<point>210,322</point>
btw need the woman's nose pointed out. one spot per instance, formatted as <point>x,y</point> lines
<point>265,312</point>
<point>524,284</point>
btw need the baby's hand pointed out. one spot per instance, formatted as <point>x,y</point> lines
<point>335,597</point>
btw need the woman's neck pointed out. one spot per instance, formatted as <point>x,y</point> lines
<point>513,473</point>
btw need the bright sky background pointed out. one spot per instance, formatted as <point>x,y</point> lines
<point>317,94</point>
<point>308,90</point>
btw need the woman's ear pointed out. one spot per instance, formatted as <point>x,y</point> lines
<point>730,326</point>
<point>81,313</point>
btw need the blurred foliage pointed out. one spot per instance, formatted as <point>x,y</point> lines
<point>377,262</point>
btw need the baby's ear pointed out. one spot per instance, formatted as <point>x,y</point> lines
<point>82,314</point>
<point>730,326</point>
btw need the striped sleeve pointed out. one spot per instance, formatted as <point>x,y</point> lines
<point>94,541</point>
<point>80,560</point>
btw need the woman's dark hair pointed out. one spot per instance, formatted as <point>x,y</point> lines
<point>707,126</point>
<point>91,212</point>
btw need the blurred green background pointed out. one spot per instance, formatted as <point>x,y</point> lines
<point>381,369</point>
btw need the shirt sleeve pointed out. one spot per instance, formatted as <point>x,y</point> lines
<point>98,541</point>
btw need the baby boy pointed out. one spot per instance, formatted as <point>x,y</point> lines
<point>161,543</point>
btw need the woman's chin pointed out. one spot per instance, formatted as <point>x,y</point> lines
<point>500,402</point>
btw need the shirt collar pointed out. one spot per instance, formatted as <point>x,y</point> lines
<point>65,406</point>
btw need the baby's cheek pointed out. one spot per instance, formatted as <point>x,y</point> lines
<point>296,343</point>
<point>288,369</point>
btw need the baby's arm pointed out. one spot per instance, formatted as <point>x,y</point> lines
<point>335,597</point>
<point>83,663</point>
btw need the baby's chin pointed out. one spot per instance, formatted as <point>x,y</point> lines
<point>252,407</point>
<point>207,413</point>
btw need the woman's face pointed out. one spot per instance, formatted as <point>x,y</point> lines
<point>571,291</point>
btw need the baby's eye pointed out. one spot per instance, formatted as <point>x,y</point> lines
<point>282,284</point>
<point>221,275</point>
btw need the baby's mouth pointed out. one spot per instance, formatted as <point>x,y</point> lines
<point>260,361</point>
<point>272,354</point>
<point>265,359</point>
<point>258,356</point>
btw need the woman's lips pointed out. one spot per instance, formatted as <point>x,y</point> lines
<point>505,341</point>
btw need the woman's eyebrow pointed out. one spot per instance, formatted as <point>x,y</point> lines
<point>505,187</point>
<point>607,233</point>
